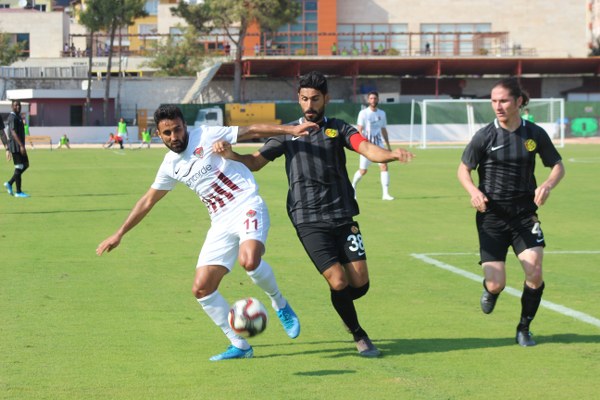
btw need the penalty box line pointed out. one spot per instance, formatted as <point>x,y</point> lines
<point>512,291</point>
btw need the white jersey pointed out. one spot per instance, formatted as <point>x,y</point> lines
<point>372,122</point>
<point>221,184</point>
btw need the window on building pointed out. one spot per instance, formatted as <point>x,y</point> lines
<point>299,38</point>
<point>151,7</point>
<point>148,29</point>
<point>453,39</point>
<point>23,39</point>
<point>369,39</point>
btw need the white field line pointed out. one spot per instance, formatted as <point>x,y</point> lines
<point>512,291</point>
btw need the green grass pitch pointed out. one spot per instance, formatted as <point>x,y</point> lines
<point>126,326</point>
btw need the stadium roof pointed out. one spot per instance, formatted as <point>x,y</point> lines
<point>276,66</point>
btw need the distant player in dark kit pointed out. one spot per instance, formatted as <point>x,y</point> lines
<point>508,197</point>
<point>16,146</point>
<point>321,202</point>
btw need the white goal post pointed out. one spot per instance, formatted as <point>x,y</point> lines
<point>452,122</point>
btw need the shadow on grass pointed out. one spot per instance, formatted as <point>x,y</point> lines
<point>440,345</point>
<point>398,347</point>
<point>85,195</point>
<point>325,372</point>
<point>65,211</point>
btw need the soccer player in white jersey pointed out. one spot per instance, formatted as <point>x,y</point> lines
<point>239,217</point>
<point>371,123</point>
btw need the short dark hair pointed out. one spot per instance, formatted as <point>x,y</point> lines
<point>514,88</point>
<point>373,92</point>
<point>167,111</point>
<point>313,80</point>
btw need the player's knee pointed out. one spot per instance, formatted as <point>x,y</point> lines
<point>358,292</point>
<point>200,290</point>
<point>535,276</point>
<point>249,261</point>
<point>337,282</point>
<point>494,286</point>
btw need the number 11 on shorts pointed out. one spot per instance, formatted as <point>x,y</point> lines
<point>251,224</point>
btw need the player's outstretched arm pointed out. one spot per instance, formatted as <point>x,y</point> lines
<point>253,162</point>
<point>139,211</point>
<point>257,131</point>
<point>377,154</point>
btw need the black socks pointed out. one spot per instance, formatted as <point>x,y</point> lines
<point>344,305</point>
<point>530,302</point>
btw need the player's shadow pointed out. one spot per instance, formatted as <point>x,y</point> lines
<point>398,347</point>
<point>65,211</point>
<point>441,345</point>
<point>86,195</point>
<point>325,372</point>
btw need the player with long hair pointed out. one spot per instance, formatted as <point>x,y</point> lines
<point>507,198</point>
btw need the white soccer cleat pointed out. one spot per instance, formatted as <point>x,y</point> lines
<point>387,197</point>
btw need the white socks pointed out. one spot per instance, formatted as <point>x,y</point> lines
<point>264,278</point>
<point>385,182</point>
<point>217,308</point>
<point>357,177</point>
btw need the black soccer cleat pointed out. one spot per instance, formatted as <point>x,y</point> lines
<point>366,348</point>
<point>488,301</point>
<point>524,339</point>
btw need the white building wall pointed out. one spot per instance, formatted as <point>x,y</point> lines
<point>555,28</point>
<point>47,30</point>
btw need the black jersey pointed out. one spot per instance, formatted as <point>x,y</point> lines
<point>15,123</point>
<point>505,161</point>
<point>319,188</point>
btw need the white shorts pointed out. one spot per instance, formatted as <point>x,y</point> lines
<point>364,162</point>
<point>223,239</point>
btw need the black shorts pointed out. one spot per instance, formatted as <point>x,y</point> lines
<point>498,231</point>
<point>19,158</point>
<point>329,242</point>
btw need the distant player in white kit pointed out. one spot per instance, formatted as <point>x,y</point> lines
<point>239,217</point>
<point>371,123</point>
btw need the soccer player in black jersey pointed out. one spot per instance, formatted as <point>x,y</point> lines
<point>508,197</point>
<point>16,146</point>
<point>321,202</point>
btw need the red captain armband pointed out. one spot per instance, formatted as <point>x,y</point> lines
<point>356,140</point>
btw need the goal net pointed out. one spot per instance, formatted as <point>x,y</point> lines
<point>453,122</point>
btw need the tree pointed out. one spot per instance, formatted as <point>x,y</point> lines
<point>108,15</point>
<point>9,52</point>
<point>92,19</point>
<point>178,56</point>
<point>234,17</point>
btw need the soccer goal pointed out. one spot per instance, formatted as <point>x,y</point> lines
<point>452,123</point>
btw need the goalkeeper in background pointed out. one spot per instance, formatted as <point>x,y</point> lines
<point>507,198</point>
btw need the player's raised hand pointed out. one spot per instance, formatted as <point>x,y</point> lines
<point>222,148</point>
<point>304,128</point>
